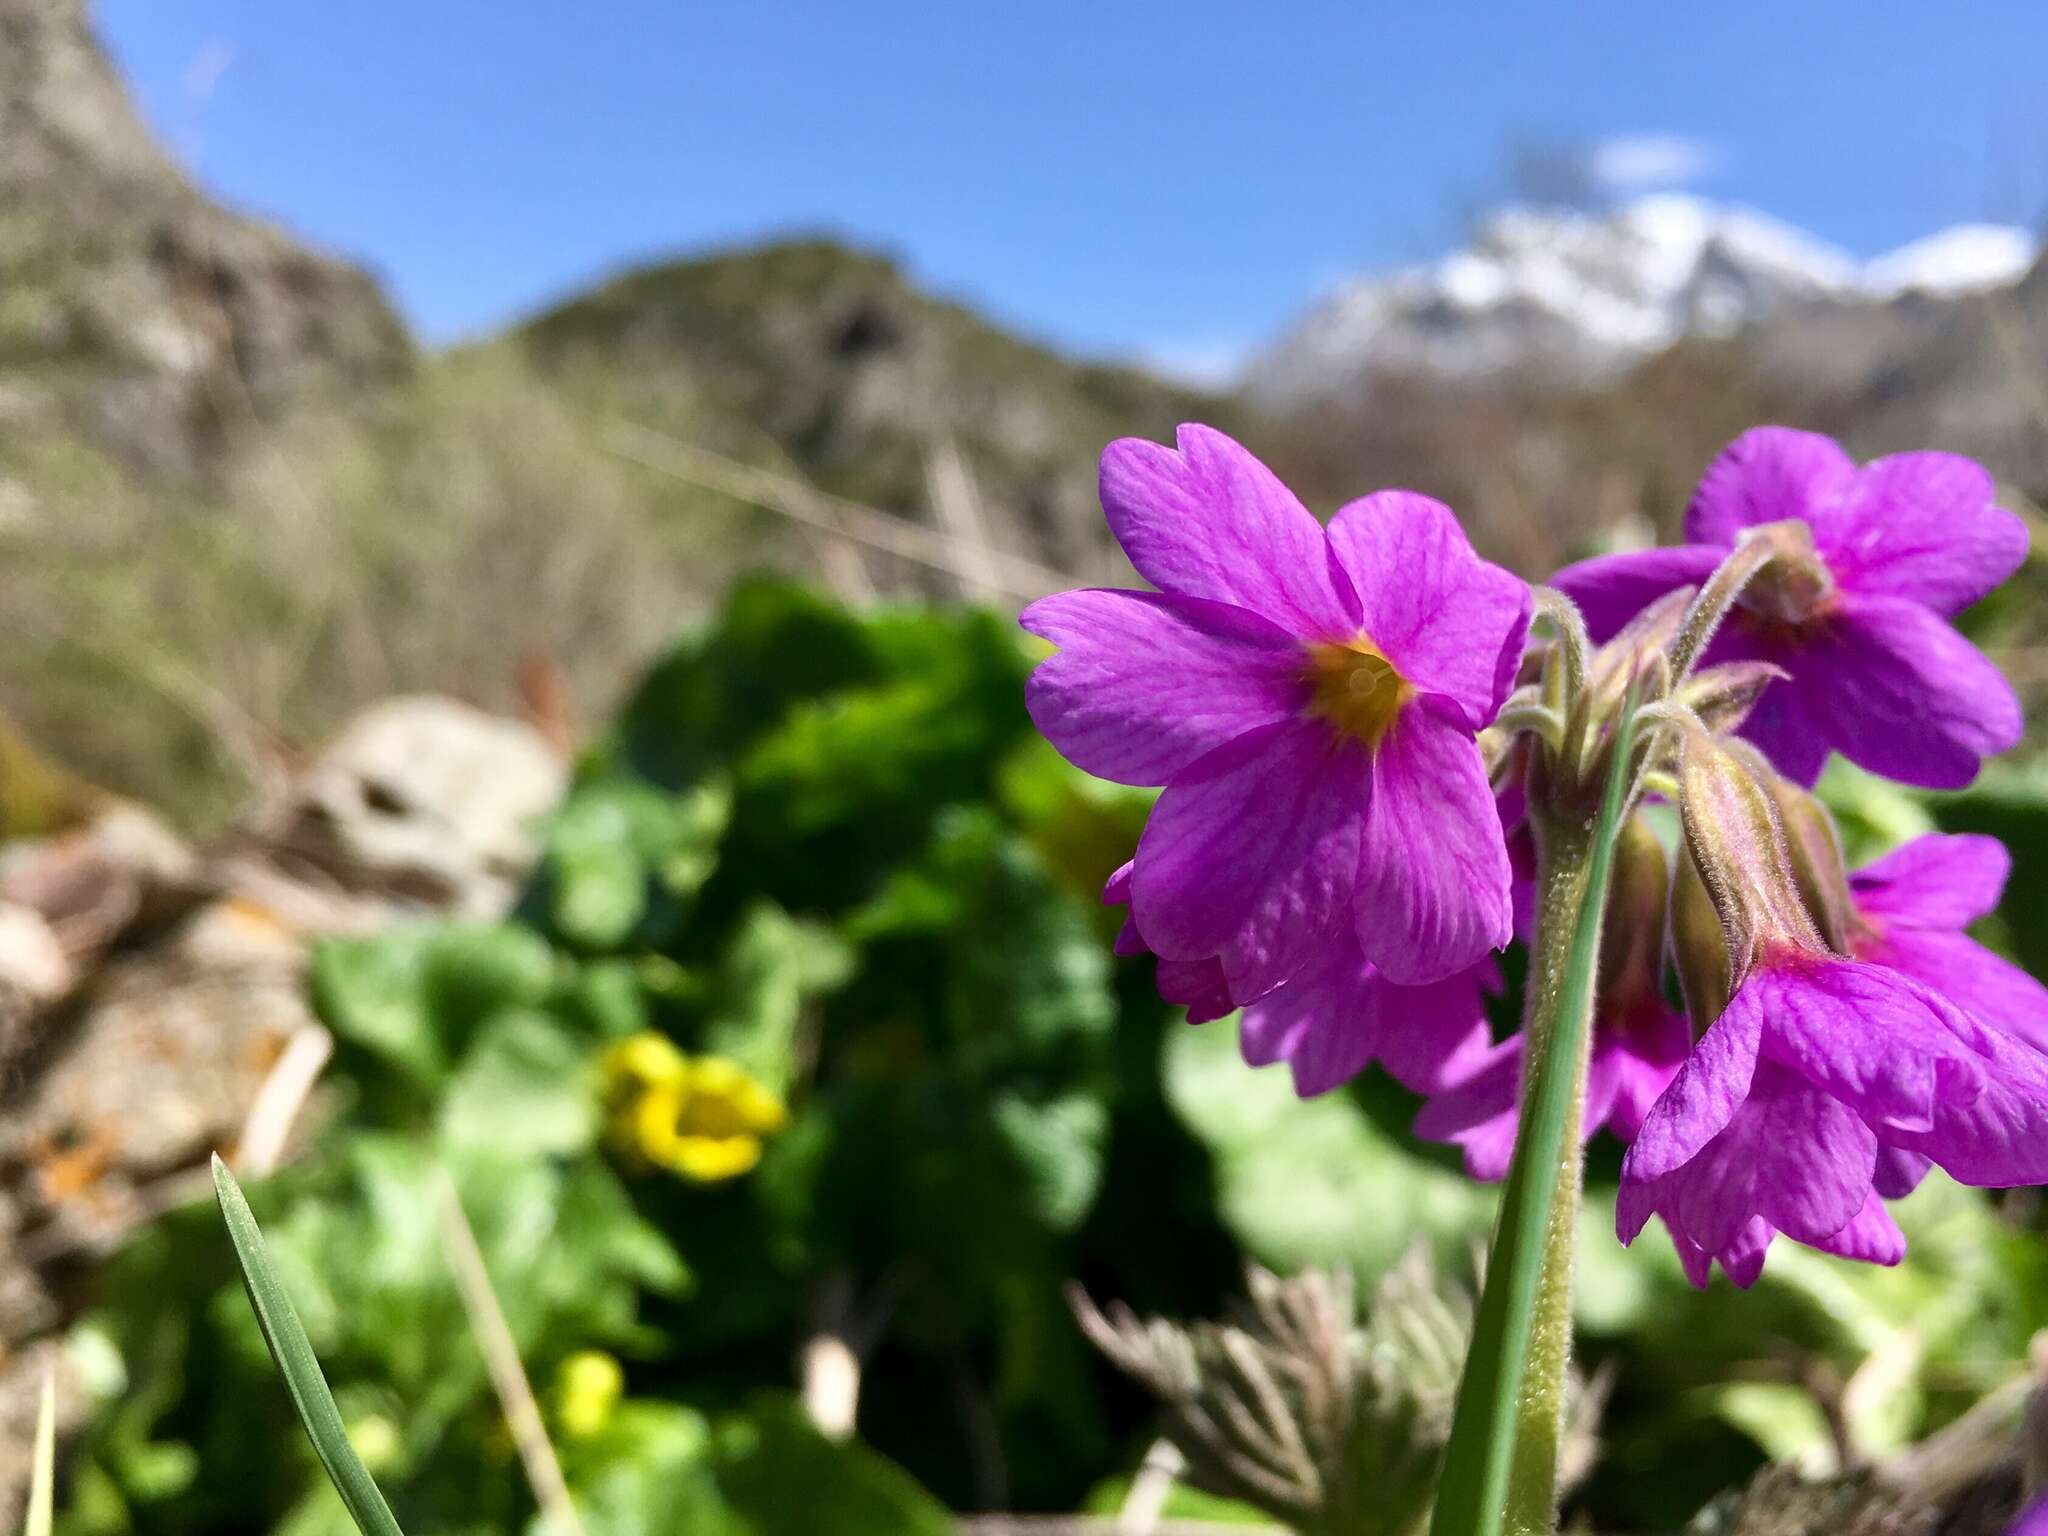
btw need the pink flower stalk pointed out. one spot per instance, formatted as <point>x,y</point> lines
<point>1308,698</point>
<point>1855,609</point>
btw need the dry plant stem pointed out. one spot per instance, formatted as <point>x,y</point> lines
<point>1564,851</point>
<point>501,1359</point>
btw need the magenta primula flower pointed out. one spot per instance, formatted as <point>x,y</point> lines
<point>1635,1052</point>
<point>1911,908</point>
<point>1308,699</point>
<point>1337,1015</point>
<point>1856,610</point>
<point>1825,1083</point>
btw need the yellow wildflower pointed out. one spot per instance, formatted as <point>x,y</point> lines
<point>701,1117</point>
<point>587,1388</point>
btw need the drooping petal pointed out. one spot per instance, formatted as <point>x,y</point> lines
<point>1116,890</point>
<point>1209,520</point>
<point>1920,526</point>
<point>1791,1155</point>
<point>1764,476</point>
<point>1612,589</point>
<point>1451,623</point>
<point>1868,1036</point>
<point>1196,985</point>
<point>1938,880</point>
<point>1899,1172</point>
<point>1144,683</point>
<point>1899,692</point>
<point>1644,1057</point>
<point>1434,880</point>
<point>1251,854</point>
<point>1871,1236</point>
<point>1988,987</point>
<point>1479,1112</point>
<point>1703,1096</point>
<point>1990,1130</point>
<point>1743,1259</point>
<point>1335,1016</point>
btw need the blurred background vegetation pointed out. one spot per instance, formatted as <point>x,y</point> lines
<point>778,1056</point>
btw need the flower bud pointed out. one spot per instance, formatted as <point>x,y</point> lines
<point>1723,696</point>
<point>1735,838</point>
<point>1699,949</point>
<point>1818,866</point>
<point>1632,937</point>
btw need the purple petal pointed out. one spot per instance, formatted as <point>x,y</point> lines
<point>1863,1034</point>
<point>1451,623</point>
<point>1784,725</point>
<point>1196,985</point>
<point>1116,890</point>
<point>1871,1236</point>
<point>1251,854</point>
<point>1898,1172</point>
<point>1988,987</point>
<point>1644,1055</point>
<point>1212,521</point>
<point>1144,683</point>
<point>1479,1112</point>
<point>1704,1095</point>
<point>1128,940</point>
<point>1337,1015</point>
<point>1434,880</point>
<point>1743,1259</point>
<point>1901,693</point>
<point>2033,1520</point>
<point>1938,880</point>
<point>1993,1130</point>
<point>1764,476</point>
<point>1612,589</point>
<point>1921,526</point>
<point>1791,1155</point>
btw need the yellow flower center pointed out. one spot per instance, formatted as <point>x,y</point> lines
<point>1355,688</point>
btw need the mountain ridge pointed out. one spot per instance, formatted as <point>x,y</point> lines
<point>1578,298</point>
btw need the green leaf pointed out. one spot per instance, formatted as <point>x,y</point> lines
<point>294,1356</point>
<point>782,1478</point>
<point>772,964</point>
<point>1479,1461</point>
<point>524,1089</point>
<point>1304,1182</point>
<point>413,996</point>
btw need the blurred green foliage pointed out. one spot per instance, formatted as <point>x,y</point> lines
<point>829,850</point>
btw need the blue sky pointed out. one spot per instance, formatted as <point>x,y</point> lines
<point>1116,177</point>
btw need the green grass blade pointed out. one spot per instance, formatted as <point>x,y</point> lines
<point>1473,1491</point>
<point>293,1352</point>
<point>42,1488</point>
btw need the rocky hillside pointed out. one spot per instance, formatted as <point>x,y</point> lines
<point>136,312</point>
<point>830,360</point>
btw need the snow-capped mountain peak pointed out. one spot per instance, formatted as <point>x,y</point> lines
<point>1582,295</point>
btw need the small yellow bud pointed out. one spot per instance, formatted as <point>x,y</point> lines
<point>588,1387</point>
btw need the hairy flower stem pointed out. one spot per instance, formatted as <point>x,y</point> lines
<point>1565,868</point>
<point>1500,1465</point>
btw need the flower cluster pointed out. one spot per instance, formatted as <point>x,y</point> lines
<point>1370,772</point>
